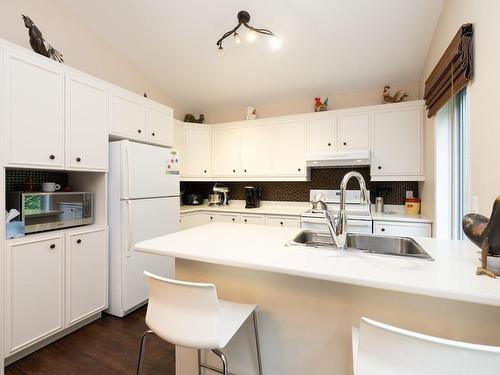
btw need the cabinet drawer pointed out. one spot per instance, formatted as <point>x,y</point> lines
<point>227,218</point>
<point>404,229</point>
<point>283,221</point>
<point>253,219</point>
<point>206,218</point>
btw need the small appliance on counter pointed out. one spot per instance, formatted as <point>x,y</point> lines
<point>215,199</point>
<point>223,193</point>
<point>192,199</point>
<point>47,211</point>
<point>252,196</point>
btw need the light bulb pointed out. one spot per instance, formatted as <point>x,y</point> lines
<point>251,36</point>
<point>237,39</point>
<point>275,42</point>
<point>220,51</point>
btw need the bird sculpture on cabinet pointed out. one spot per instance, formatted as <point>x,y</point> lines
<point>320,107</point>
<point>396,98</point>
<point>38,43</point>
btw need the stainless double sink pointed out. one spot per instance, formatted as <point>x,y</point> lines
<point>367,243</point>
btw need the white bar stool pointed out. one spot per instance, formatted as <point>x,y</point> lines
<point>190,315</point>
<point>383,349</point>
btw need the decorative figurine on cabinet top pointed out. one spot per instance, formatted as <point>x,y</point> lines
<point>398,96</point>
<point>320,107</point>
<point>38,44</point>
<point>190,118</point>
<point>251,113</point>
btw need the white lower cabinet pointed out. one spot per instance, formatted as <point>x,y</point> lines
<point>227,218</point>
<point>34,291</point>
<point>86,254</point>
<point>405,229</point>
<point>52,281</point>
<point>206,218</point>
<point>283,221</point>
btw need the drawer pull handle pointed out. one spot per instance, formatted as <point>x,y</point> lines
<point>245,220</point>
<point>329,144</point>
<point>379,167</point>
<point>382,230</point>
<point>153,134</point>
<point>345,143</point>
<point>78,241</point>
<point>52,157</point>
<point>78,159</point>
<point>139,131</point>
<point>52,246</point>
<point>281,223</point>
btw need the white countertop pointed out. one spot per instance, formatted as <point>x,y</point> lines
<point>397,215</point>
<point>451,275</point>
<point>266,208</point>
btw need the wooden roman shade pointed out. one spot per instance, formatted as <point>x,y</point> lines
<point>453,71</point>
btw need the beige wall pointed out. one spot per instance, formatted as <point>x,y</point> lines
<point>484,97</point>
<point>81,46</point>
<point>297,105</point>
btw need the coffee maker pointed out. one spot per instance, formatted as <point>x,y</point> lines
<point>252,196</point>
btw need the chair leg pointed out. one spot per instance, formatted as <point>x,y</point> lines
<point>141,350</point>
<point>257,343</point>
<point>218,353</point>
<point>200,368</point>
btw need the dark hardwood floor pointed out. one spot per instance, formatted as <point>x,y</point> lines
<point>108,346</point>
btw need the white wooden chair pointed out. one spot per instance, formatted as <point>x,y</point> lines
<point>381,349</point>
<point>190,315</point>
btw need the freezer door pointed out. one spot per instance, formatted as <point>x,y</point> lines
<point>148,171</point>
<point>144,219</point>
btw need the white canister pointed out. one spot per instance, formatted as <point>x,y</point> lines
<point>50,187</point>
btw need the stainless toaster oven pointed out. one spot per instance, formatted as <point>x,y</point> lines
<point>48,211</point>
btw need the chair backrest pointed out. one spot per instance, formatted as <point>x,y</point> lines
<point>384,349</point>
<point>183,313</point>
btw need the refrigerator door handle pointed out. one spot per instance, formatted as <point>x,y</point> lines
<point>128,251</point>
<point>129,172</point>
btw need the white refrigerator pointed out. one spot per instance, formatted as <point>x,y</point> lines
<point>143,202</point>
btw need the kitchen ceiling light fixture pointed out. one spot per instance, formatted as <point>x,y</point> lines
<point>243,19</point>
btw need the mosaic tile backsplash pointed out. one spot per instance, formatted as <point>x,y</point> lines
<point>15,179</point>
<point>299,191</point>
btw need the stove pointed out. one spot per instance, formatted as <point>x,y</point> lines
<point>359,218</point>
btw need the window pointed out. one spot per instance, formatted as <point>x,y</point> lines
<point>451,167</point>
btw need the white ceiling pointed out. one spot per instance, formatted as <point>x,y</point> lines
<point>329,46</point>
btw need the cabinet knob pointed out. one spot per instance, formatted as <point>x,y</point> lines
<point>382,229</point>
<point>211,218</point>
<point>345,143</point>
<point>233,219</point>
<point>379,167</point>
<point>78,159</point>
<point>52,246</point>
<point>153,134</point>
<point>244,170</point>
<point>205,171</point>
<point>79,241</point>
<point>299,169</point>
<point>245,220</point>
<point>329,144</point>
<point>52,157</point>
<point>281,223</point>
<point>234,170</point>
<point>139,131</point>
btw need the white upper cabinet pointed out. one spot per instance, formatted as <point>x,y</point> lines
<point>197,151</point>
<point>34,112</point>
<point>128,115</point>
<point>354,131</point>
<point>290,148</point>
<point>397,144</point>
<point>322,134</point>
<point>226,151</point>
<point>159,124</point>
<point>86,124</point>
<point>257,150</point>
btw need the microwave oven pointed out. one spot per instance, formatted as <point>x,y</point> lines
<point>47,211</point>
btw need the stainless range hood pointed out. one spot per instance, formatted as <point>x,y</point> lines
<point>350,158</point>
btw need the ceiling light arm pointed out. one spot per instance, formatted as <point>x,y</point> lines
<point>260,31</point>
<point>231,32</point>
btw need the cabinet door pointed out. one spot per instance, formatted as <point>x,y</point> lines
<point>226,152</point>
<point>34,112</point>
<point>86,124</point>
<point>197,151</point>
<point>86,254</point>
<point>206,218</point>
<point>283,221</point>
<point>397,143</point>
<point>402,229</point>
<point>253,219</point>
<point>34,291</point>
<point>354,131</point>
<point>227,218</point>
<point>159,124</point>
<point>290,147</point>
<point>322,134</point>
<point>257,150</point>
<point>128,115</point>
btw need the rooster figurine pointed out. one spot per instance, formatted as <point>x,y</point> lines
<point>320,107</point>
<point>396,98</point>
<point>39,44</point>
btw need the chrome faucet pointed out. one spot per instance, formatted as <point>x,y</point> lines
<point>338,226</point>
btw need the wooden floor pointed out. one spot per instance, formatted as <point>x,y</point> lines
<point>107,346</point>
